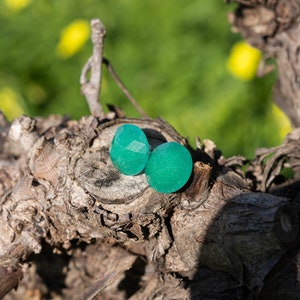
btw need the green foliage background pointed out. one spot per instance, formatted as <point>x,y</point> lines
<point>170,54</point>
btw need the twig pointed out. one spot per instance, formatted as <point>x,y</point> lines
<point>91,88</point>
<point>123,88</point>
<point>99,285</point>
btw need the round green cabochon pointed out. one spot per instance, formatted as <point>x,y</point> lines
<point>169,167</point>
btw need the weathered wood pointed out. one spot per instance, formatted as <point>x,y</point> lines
<point>273,26</point>
<point>63,187</point>
<point>10,276</point>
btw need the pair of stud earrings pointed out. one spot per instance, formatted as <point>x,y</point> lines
<point>167,168</point>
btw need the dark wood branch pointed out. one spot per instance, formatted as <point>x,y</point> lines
<point>10,276</point>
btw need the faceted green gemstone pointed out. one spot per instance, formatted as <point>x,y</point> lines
<point>169,167</point>
<point>129,150</point>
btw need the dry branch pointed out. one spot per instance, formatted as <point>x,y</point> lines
<point>91,88</point>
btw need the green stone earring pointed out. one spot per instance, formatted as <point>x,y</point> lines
<point>129,151</point>
<point>169,167</point>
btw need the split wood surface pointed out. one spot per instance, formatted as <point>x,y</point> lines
<point>73,227</point>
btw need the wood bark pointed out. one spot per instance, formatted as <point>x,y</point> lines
<point>73,227</point>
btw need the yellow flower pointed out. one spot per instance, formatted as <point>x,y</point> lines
<point>282,120</point>
<point>243,61</point>
<point>16,5</point>
<point>72,38</point>
<point>10,103</point>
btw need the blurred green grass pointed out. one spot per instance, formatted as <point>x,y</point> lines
<point>171,56</point>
